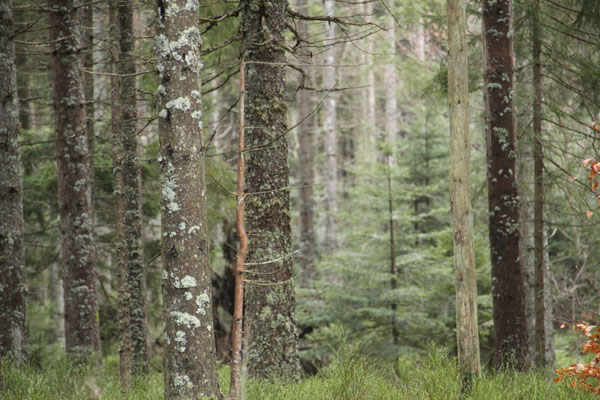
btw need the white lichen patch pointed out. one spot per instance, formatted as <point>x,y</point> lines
<point>184,319</point>
<point>163,113</point>
<point>193,229</point>
<point>188,296</point>
<point>188,281</point>
<point>196,94</point>
<point>201,302</point>
<point>182,226</point>
<point>180,103</point>
<point>180,341</point>
<point>182,380</point>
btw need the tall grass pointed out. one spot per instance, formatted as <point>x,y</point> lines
<point>350,376</point>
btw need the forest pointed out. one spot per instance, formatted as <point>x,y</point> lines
<point>299,199</point>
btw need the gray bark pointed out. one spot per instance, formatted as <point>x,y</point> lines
<point>330,129</point>
<point>467,337</point>
<point>13,334</point>
<point>74,196</point>
<point>190,360</point>
<point>270,301</point>
<point>130,164</point>
<point>308,241</point>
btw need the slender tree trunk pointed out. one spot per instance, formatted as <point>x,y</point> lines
<point>119,191</point>
<point>508,289</point>
<point>526,195</point>
<point>391,86</point>
<point>87,22</point>
<point>130,162</point>
<point>467,337</point>
<point>371,123</point>
<point>13,288</point>
<point>190,356</point>
<point>72,158</point>
<point>330,128</point>
<point>544,348</point>
<point>306,155</point>
<point>55,289</point>
<point>270,301</point>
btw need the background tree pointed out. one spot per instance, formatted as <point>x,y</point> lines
<point>74,197</point>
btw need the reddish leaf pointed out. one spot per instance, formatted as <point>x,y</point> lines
<point>589,214</point>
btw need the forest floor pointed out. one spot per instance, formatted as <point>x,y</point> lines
<point>350,376</point>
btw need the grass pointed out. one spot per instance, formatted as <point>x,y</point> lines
<point>350,376</point>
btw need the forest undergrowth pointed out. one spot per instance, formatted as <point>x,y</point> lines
<point>351,375</point>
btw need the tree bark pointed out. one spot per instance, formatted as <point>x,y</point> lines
<point>74,197</point>
<point>467,335</point>
<point>544,346</point>
<point>13,334</point>
<point>330,129</point>
<point>508,289</point>
<point>132,218</point>
<point>306,155</point>
<point>190,356</point>
<point>270,301</point>
<point>87,22</point>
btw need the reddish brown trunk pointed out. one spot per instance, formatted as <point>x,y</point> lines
<point>508,288</point>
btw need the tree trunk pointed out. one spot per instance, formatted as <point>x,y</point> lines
<point>13,288</point>
<point>74,197</point>
<point>467,337</point>
<point>130,164</point>
<point>119,211</point>
<point>544,346</point>
<point>87,22</point>
<point>508,289</point>
<point>330,128</point>
<point>526,179</point>
<point>190,361</point>
<point>391,84</point>
<point>306,155</point>
<point>270,301</point>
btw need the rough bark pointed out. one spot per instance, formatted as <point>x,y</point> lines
<point>189,361</point>
<point>130,164</point>
<point>544,345</point>
<point>467,336</point>
<point>118,192</point>
<point>306,155</point>
<point>270,301</point>
<point>87,28</point>
<point>330,129</point>
<point>508,289</point>
<point>74,197</point>
<point>13,335</point>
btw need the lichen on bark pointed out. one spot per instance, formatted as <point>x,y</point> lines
<point>270,305</point>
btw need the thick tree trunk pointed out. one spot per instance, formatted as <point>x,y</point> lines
<point>330,129</point>
<point>13,334</point>
<point>544,343</point>
<point>190,360</point>
<point>508,289</point>
<point>74,197</point>
<point>306,155</point>
<point>130,164</point>
<point>467,337</point>
<point>270,303</point>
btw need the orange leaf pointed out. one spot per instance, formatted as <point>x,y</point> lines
<point>587,161</point>
<point>589,214</point>
<point>592,174</point>
<point>594,185</point>
<point>596,166</point>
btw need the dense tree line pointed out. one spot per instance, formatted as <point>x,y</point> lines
<point>360,133</point>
